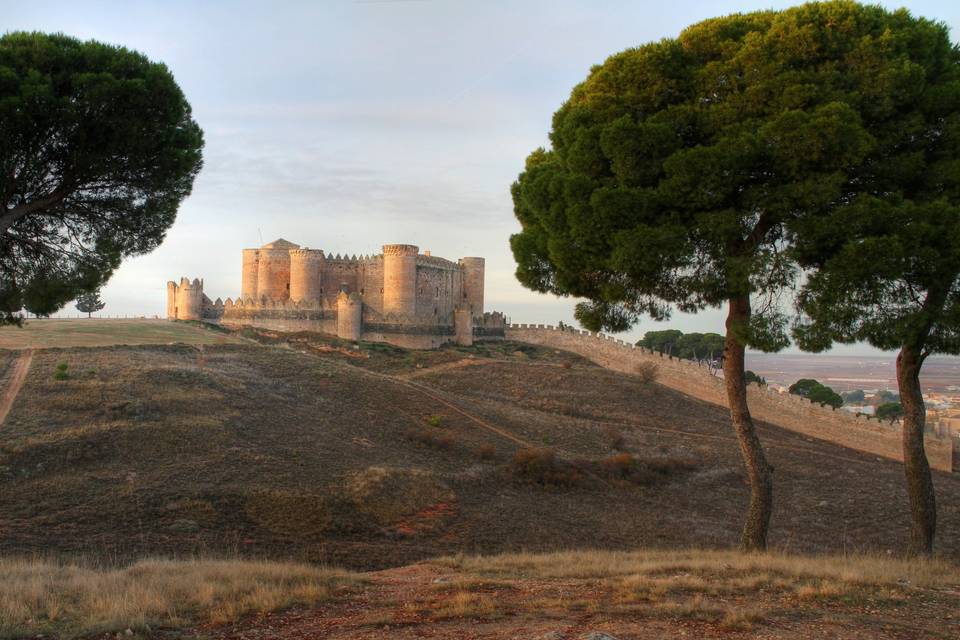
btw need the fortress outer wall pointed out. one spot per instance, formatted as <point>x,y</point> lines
<point>783,410</point>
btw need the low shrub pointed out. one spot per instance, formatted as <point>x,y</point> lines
<point>541,466</point>
<point>648,372</point>
<point>430,438</point>
<point>435,421</point>
<point>620,466</point>
<point>617,441</point>
<point>642,471</point>
<point>62,366</point>
<point>486,452</point>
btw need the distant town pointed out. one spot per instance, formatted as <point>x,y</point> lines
<point>875,376</point>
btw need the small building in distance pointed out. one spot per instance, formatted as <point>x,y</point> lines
<point>401,296</point>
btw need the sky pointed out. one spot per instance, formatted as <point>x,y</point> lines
<point>345,125</point>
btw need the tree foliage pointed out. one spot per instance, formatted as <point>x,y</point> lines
<point>97,150</point>
<point>853,397</point>
<point>752,378</point>
<point>89,302</point>
<point>890,411</point>
<point>817,392</point>
<point>676,166</point>
<point>691,346</point>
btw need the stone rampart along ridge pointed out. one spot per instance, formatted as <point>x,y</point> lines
<point>784,410</point>
<point>406,297</point>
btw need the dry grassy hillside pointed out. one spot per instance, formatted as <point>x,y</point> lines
<point>300,447</point>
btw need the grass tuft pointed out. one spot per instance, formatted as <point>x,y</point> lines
<point>70,600</point>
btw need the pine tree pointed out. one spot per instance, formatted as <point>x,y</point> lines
<point>89,302</point>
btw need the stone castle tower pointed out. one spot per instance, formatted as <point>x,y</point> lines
<point>401,296</point>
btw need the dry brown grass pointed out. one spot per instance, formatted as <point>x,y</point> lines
<point>68,600</point>
<point>467,604</point>
<point>97,332</point>
<point>689,568</point>
<point>727,589</point>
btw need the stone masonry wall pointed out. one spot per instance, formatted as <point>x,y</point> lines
<point>784,410</point>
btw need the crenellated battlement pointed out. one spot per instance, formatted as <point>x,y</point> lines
<point>789,411</point>
<point>400,250</point>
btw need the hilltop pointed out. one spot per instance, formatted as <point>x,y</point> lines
<point>298,446</point>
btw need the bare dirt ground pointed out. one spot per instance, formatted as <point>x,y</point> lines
<point>12,381</point>
<point>300,451</point>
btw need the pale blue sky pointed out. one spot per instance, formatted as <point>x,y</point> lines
<point>345,125</point>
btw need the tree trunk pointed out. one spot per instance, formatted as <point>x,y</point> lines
<point>923,504</point>
<point>759,471</point>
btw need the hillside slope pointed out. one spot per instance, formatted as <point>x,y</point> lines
<point>306,449</point>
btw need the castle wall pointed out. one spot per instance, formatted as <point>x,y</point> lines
<point>371,284</point>
<point>473,275</point>
<point>784,410</point>
<point>251,267</point>
<point>435,294</point>
<point>337,273</point>
<point>400,279</point>
<point>306,266</point>
<point>273,274</point>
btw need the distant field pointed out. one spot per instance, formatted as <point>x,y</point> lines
<point>95,332</point>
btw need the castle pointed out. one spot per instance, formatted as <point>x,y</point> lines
<point>402,296</point>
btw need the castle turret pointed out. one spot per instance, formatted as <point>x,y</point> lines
<point>189,299</point>
<point>251,265</point>
<point>306,266</point>
<point>472,279</point>
<point>171,300</point>
<point>273,272</point>
<point>463,326</point>
<point>349,316</point>
<point>400,279</point>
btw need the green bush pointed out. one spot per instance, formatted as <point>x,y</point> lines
<point>62,366</point>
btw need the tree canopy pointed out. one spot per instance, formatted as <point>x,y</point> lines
<point>890,411</point>
<point>815,391</point>
<point>691,346</point>
<point>97,150</point>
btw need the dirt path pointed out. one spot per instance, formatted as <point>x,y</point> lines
<point>18,373</point>
<point>433,395</point>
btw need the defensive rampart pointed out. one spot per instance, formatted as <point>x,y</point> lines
<point>784,410</point>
